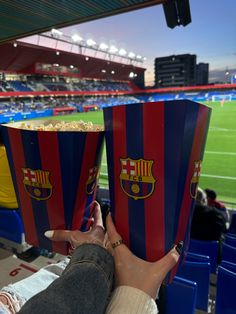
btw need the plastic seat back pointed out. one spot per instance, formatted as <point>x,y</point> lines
<point>209,248</point>
<point>228,253</point>
<point>179,297</point>
<point>194,257</point>
<point>11,225</point>
<point>225,295</point>
<point>230,240</point>
<point>198,272</point>
<point>228,265</point>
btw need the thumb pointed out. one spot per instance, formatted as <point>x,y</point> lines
<point>58,235</point>
<point>113,235</point>
<point>97,215</point>
<point>166,263</point>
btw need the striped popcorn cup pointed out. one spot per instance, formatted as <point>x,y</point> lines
<point>154,156</point>
<point>55,177</point>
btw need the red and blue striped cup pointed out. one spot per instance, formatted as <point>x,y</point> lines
<point>154,154</point>
<point>55,177</point>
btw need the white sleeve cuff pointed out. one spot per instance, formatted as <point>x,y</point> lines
<point>129,300</point>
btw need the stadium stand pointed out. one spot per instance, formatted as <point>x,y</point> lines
<point>19,86</point>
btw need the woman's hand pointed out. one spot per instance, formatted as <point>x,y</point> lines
<point>75,238</point>
<point>135,272</point>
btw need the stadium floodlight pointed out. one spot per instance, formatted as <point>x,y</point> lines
<point>57,53</point>
<point>131,75</point>
<point>131,55</point>
<point>56,32</point>
<point>71,66</point>
<point>76,37</point>
<point>113,49</point>
<point>15,45</point>
<point>112,72</point>
<point>122,52</point>
<point>86,58</point>
<point>55,64</point>
<point>91,42</point>
<point>103,71</point>
<point>103,46</point>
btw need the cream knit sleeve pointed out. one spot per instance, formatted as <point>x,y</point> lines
<point>128,300</point>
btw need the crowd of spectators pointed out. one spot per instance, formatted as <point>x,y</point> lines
<point>78,102</point>
<point>49,84</point>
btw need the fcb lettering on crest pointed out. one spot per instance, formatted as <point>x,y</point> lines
<point>37,184</point>
<point>92,180</point>
<point>195,178</point>
<point>136,177</point>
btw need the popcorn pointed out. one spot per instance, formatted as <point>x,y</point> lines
<point>80,126</point>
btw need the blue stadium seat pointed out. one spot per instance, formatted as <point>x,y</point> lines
<point>228,265</point>
<point>230,240</point>
<point>198,272</point>
<point>180,296</point>
<point>228,253</point>
<point>225,295</point>
<point>11,225</point>
<point>209,248</point>
<point>232,227</point>
<point>194,257</point>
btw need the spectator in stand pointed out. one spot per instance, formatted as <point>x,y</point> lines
<point>208,223</point>
<point>213,202</point>
<point>7,192</point>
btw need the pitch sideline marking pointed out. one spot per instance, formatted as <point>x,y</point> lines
<point>218,177</point>
<point>220,153</point>
<point>105,175</point>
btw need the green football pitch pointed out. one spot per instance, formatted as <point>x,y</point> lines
<point>219,164</point>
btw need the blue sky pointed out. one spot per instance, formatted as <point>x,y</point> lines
<point>211,35</point>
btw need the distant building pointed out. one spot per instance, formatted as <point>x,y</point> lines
<point>202,73</point>
<point>175,70</point>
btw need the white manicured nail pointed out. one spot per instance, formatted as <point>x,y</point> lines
<point>49,234</point>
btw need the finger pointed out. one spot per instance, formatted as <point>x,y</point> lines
<point>58,235</point>
<point>113,235</point>
<point>97,215</point>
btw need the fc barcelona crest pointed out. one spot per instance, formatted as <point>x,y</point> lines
<point>195,178</point>
<point>92,180</point>
<point>136,178</point>
<point>37,184</point>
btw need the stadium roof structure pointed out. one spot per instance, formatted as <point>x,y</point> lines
<point>20,18</point>
<point>23,58</point>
